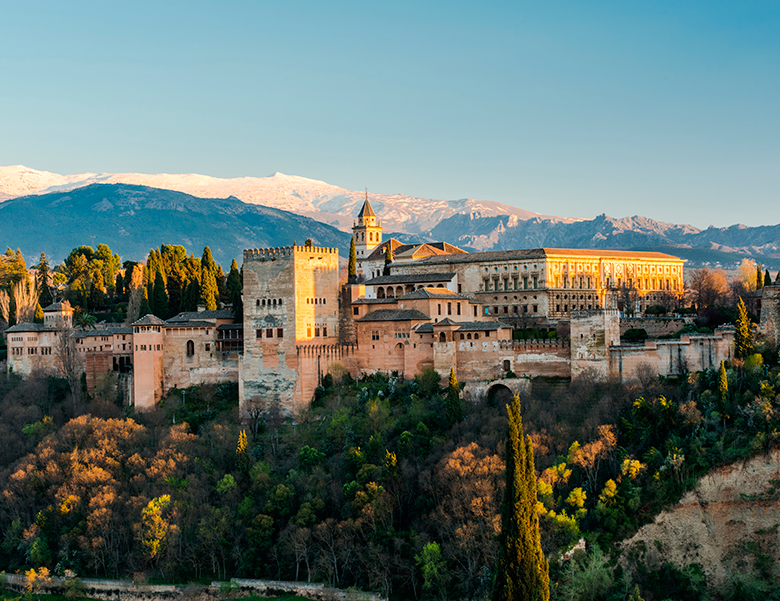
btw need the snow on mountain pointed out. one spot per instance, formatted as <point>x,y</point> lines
<point>312,198</point>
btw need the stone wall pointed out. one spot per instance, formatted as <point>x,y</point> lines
<point>205,366</point>
<point>592,333</point>
<point>655,326</point>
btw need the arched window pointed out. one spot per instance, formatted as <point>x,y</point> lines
<point>190,348</point>
<point>274,302</point>
<point>442,337</point>
<point>258,302</point>
<point>280,301</point>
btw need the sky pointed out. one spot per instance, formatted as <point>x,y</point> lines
<point>669,110</point>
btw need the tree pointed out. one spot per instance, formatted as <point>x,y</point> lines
<point>759,278</point>
<point>160,300</point>
<point>388,258</point>
<point>145,308</point>
<point>25,299</point>
<point>708,286</point>
<point>352,266</point>
<point>68,362</point>
<point>522,571</point>
<point>743,337</point>
<point>723,384</point>
<point>767,278</point>
<point>209,294</point>
<point>233,283</point>
<point>39,317</point>
<point>85,321</point>
<point>44,281</point>
<point>454,408</point>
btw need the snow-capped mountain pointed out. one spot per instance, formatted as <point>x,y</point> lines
<point>312,198</point>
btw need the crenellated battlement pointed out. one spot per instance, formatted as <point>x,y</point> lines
<point>285,252</point>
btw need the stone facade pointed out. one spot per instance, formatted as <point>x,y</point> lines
<point>770,314</point>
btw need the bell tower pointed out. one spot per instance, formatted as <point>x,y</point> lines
<point>367,232</point>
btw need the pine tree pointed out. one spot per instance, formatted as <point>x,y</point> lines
<point>38,314</point>
<point>207,261</point>
<point>759,278</point>
<point>767,278</point>
<point>522,571</point>
<point>160,299</point>
<point>44,282</point>
<point>723,385</point>
<point>388,258</point>
<point>352,266</point>
<point>743,337</point>
<point>454,409</point>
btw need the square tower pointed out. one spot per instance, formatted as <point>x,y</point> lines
<point>291,300</point>
<point>367,232</point>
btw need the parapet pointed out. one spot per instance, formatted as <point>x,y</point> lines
<point>284,252</point>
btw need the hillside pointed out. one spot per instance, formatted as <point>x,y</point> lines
<point>132,219</point>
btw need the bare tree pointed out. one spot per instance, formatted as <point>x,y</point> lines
<point>26,299</point>
<point>629,296</point>
<point>68,360</point>
<point>5,306</point>
<point>708,286</point>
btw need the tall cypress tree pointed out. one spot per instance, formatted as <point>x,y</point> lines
<point>145,309</point>
<point>352,266</point>
<point>388,258</point>
<point>209,294</point>
<point>160,302</point>
<point>723,385</point>
<point>759,278</point>
<point>767,278</point>
<point>743,337</point>
<point>234,280</point>
<point>454,409</point>
<point>44,280</point>
<point>522,571</point>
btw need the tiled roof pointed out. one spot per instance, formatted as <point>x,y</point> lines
<point>231,326</point>
<point>56,307</point>
<point>366,211</point>
<point>470,326</point>
<point>30,327</point>
<point>149,320</point>
<point>394,315</point>
<point>215,314</point>
<point>190,323</point>
<point>411,278</point>
<point>373,301</point>
<point>440,293</point>
<point>419,249</point>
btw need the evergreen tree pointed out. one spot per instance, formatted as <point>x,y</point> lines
<point>454,409</point>
<point>207,261</point>
<point>767,278</point>
<point>743,337</point>
<point>352,266</point>
<point>723,385</point>
<point>238,308</point>
<point>160,300</point>
<point>234,281</point>
<point>221,279</point>
<point>777,278</point>
<point>388,258</point>
<point>759,278</point>
<point>191,297</point>
<point>97,293</point>
<point>522,571</point>
<point>119,287</point>
<point>38,314</point>
<point>208,290</point>
<point>145,308</point>
<point>176,288</point>
<point>44,282</point>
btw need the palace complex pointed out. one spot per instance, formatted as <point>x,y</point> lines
<point>409,307</point>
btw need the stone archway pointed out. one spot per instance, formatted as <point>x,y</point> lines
<point>499,395</point>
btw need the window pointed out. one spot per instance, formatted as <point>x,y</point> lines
<point>449,308</point>
<point>259,334</point>
<point>190,348</point>
<point>374,334</point>
<point>208,347</point>
<point>355,310</point>
<point>506,365</point>
<point>280,332</point>
<point>439,306</point>
<point>442,337</point>
<point>324,331</point>
<point>458,308</point>
<point>316,332</point>
<point>476,336</point>
<point>269,333</point>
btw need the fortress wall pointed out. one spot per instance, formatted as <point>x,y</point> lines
<point>205,366</point>
<point>770,314</point>
<point>655,326</point>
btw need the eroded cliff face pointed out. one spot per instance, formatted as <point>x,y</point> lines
<point>730,522</point>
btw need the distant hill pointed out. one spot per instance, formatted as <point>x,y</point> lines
<point>132,219</point>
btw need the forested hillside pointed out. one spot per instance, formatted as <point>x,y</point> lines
<point>382,485</point>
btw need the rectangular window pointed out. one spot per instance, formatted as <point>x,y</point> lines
<point>316,332</point>
<point>280,332</point>
<point>374,334</point>
<point>439,308</point>
<point>536,283</point>
<point>449,308</point>
<point>458,308</point>
<point>324,331</point>
<point>208,347</point>
<point>259,334</point>
<point>355,310</point>
<point>460,288</point>
<point>269,333</point>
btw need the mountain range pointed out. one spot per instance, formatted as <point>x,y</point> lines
<point>476,225</point>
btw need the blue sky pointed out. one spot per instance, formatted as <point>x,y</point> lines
<point>665,109</point>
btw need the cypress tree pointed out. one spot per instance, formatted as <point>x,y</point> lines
<point>207,261</point>
<point>759,278</point>
<point>38,314</point>
<point>160,301</point>
<point>388,258</point>
<point>191,297</point>
<point>44,280</point>
<point>454,409</point>
<point>767,278</point>
<point>723,385</point>
<point>145,309</point>
<point>119,288</point>
<point>209,294</point>
<point>234,281</point>
<point>176,288</point>
<point>352,266</point>
<point>522,571</point>
<point>743,337</point>
<point>238,308</point>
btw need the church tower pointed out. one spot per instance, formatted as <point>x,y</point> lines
<point>367,232</point>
